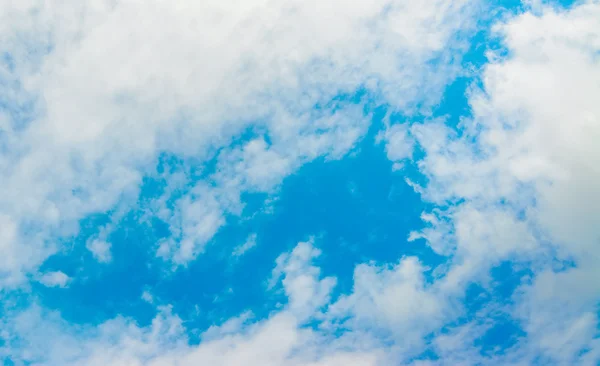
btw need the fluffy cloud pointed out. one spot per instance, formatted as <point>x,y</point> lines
<point>524,167</point>
<point>399,144</point>
<point>282,339</point>
<point>300,280</point>
<point>100,250</point>
<point>518,181</point>
<point>396,305</point>
<point>97,90</point>
<point>54,279</point>
<point>383,320</point>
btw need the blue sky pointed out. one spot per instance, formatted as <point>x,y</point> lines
<point>299,183</point>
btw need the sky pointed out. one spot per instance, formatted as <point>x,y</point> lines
<point>299,182</point>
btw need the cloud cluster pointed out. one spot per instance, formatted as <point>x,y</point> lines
<point>516,182</point>
<point>95,91</point>
<point>282,339</point>
<point>523,169</point>
<point>382,321</point>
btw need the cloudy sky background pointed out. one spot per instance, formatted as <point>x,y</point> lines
<point>299,182</point>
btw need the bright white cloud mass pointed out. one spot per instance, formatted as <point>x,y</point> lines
<point>143,134</point>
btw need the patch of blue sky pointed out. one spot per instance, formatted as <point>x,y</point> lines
<point>357,209</point>
<point>102,291</point>
<point>565,4</point>
<point>494,301</point>
<point>501,336</point>
<point>310,202</point>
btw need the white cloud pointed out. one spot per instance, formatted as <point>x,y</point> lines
<point>100,250</point>
<point>525,169</point>
<point>281,339</point>
<point>382,321</point>
<point>94,109</point>
<point>524,172</point>
<point>305,291</point>
<point>248,244</point>
<point>147,297</point>
<point>399,145</point>
<point>55,279</point>
<point>194,221</point>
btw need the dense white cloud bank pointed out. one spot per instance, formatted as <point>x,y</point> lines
<point>524,170</point>
<point>94,91</point>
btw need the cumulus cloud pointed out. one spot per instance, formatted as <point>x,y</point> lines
<point>55,279</point>
<point>99,89</point>
<point>399,145</point>
<point>524,169</point>
<point>100,250</point>
<point>516,181</point>
<point>396,304</point>
<point>300,280</point>
<point>282,339</point>
<point>383,320</point>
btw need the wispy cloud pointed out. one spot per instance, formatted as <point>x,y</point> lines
<point>248,244</point>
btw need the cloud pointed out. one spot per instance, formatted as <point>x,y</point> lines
<point>515,182</point>
<point>55,279</point>
<point>282,339</point>
<point>305,291</point>
<point>399,145</point>
<point>524,168</point>
<point>100,250</point>
<point>395,304</point>
<point>248,244</point>
<point>383,320</point>
<point>147,297</point>
<point>91,112</point>
<point>194,220</point>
